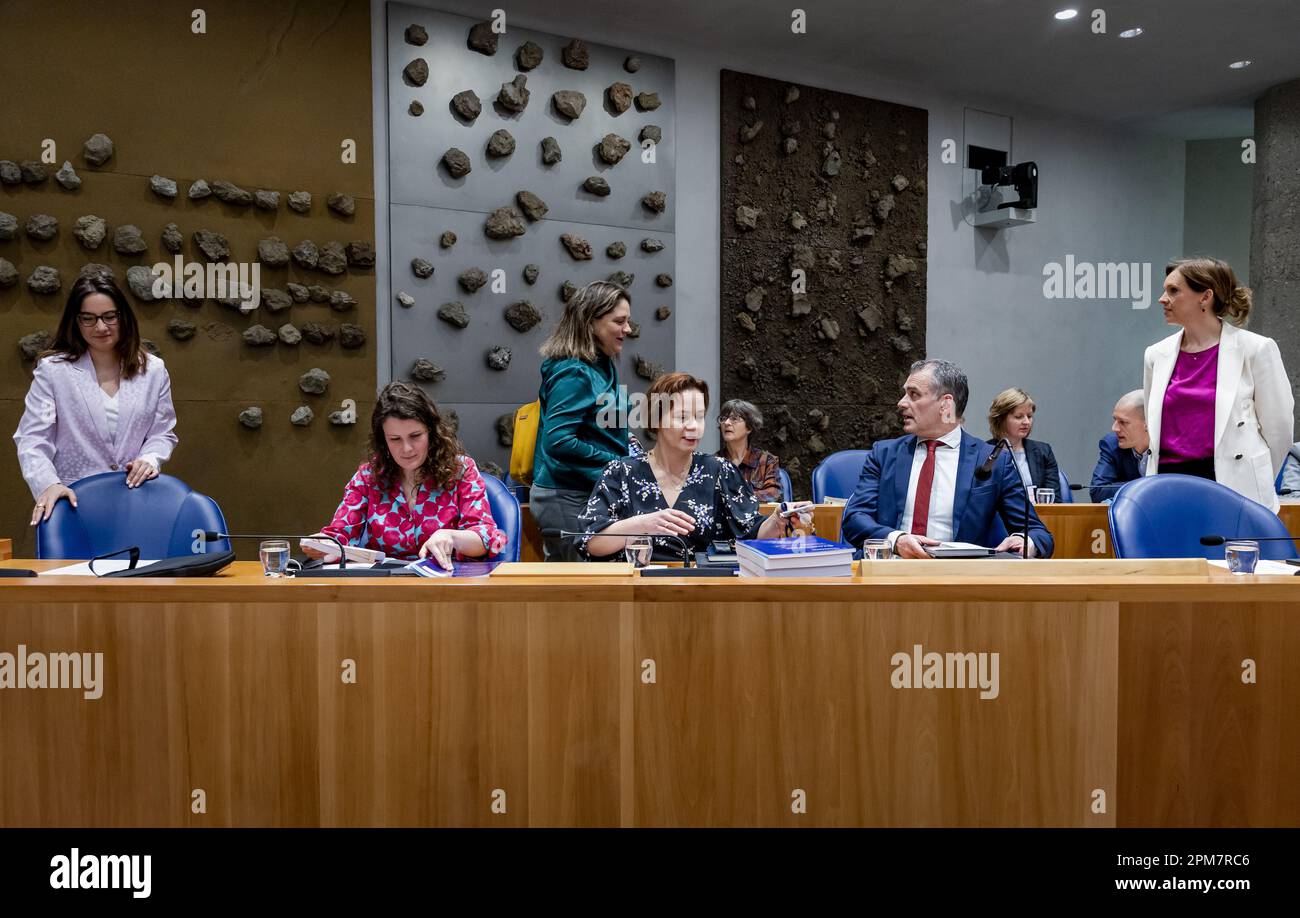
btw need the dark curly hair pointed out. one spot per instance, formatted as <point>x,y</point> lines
<point>442,467</point>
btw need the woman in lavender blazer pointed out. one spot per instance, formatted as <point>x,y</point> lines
<point>99,402</point>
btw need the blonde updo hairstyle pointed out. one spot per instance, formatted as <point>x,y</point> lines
<point>1231,300</point>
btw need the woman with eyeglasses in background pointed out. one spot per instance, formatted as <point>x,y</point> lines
<point>99,402</point>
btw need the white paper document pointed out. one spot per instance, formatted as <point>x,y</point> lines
<point>1264,566</point>
<point>101,567</point>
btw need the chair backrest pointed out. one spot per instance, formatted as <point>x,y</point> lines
<point>837,474</point>
<point>159,517</point>
<point>787,489</point>
<point>1164,516</point>
<point>1066,496</point>
<point>505,511</point>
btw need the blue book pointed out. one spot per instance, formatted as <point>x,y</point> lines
<point>793,552</point>
<point>427,567</point>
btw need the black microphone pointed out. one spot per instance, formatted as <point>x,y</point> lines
<point>686,548</point>
<point>341,571</point>
<point>1212,540</point>
<point>1078,486</point>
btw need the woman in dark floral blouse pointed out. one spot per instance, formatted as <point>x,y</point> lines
<point>672,489</point>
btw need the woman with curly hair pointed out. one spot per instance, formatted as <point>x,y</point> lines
<point>418,495</point>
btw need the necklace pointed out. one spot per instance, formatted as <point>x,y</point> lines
<point>674,480</point>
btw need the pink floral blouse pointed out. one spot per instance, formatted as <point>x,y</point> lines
<point>372,517</point>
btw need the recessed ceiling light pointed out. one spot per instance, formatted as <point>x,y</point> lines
<point>1239,65</point>
<point>1131,33</point>
<point>1066,14</point>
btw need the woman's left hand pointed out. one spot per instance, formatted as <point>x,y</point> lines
<point>439,546</point>
<point>774,526</point>
<point>138,471</point>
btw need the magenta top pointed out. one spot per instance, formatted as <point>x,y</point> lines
<point>1187,422</point>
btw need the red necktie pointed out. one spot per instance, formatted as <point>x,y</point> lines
<point>921,511</point>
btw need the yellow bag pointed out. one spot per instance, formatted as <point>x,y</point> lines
<point>527,420</point>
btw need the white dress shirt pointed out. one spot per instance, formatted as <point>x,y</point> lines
<point>1022,464</point>
<point>943,491</point>
<point>110,413</point>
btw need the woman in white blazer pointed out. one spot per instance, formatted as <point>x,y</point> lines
<point>1219,402</point>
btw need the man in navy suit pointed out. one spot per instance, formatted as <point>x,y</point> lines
<point>923,495</point>
<point>1123,451</point>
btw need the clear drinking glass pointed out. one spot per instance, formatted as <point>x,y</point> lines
<point>638,550</point>
<point>275,557</point>
<point>876,550</point>
<point>1045,496</point>
<point>1241,556</point>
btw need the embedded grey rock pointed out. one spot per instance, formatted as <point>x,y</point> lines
<point>504,223</point>
<point>98,149</point>
<point>579,248</point>
<point>163,187</point>
<point>514,95</point>
<point>302,416</point>
<point>305,254</point>
<point>482,39</point>
<point>622,278</point>
<point>272,252</point>
<point>652,133</point>
<point>333,259</point>
<point>619,96</point>
<point>127,240</point>
<point>898,265</point>
<point>297,292</point>
<point>791,145</point>
<point>181,329</point>
<point>522,316</point>
<point>749,131</point>
<point>647,370</point>
<point>427,371</point>
<point>199,189</point>
<point>797,221</point>
<point>454,314</point>
<point>498,358</point>
<point>831,165</point>
<point>613,148</point>
<point>632,64</point>
<point>275,300</point>
<point>569,103</point>
<point>664,280</point>
<point>8,274</point>
<point>10,173</point>
<point>140,281</point>
<point>457,162</point>
<point>827,329</point>
<point>42,227</point>
<point>505,425</point>
<point>314,382</point>
<point>791,128</point>
<point>471,279</point>
<point>259,336</point>
<point>901,343</point>
<point>531,273</point>
<point>616,249</point>
<point>749,104</point>
<point>289,335</point>
<point>534,208</point>
<point>213,246</point>
<point>900,183</point>
<point>652,245</point>
<point>415,35</point>
<point>884,207</point>
<point>361,254</point>
<point>318,294</point>
<point>596,185</point>
<point>647,101</point>
<point>791,94</point>
<point>421,268</point>
<point>351,336</point>
<point>501,143</point>
<point>318,332</point>
<point>8,227</point>
<point>747,217</point>
<point>567,290</point>
<point>416,72</point>
<point>343,418</point>
<point>575,55</point>
<point>405,299</point>
<point>754,299</point>
<point>67,177</point>
<point>528,56</point>
<point>150,346</point>
<point>33,172</point>
<point>634,330</point>
<point>447,239</point>
<point>662,313</point>
<point>252,417</point>
<point>266,200</point>
<point>342,301</point>
<point>94,269</point>
<point>655,202</point>
<point>467,106</point>
<point>415,109</point>
<point>173,240</point>
<point>300,201</point>
<point>828,130</point>
<point>232,194</point>
<point>551,153</point>
<point>31,345</point>
<point>341,204</point>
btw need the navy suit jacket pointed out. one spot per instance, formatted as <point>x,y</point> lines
<point>1114,467</point>
<point>878,500</point>
<point>1043,470</point>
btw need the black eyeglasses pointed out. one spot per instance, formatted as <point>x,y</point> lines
<point>88,320</point>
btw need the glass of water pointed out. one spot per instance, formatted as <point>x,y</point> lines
<point>1241,556</point>
<point>638,550</point>
<point>876,550</point>
<point>275,557</point>
<point>1045,496</point>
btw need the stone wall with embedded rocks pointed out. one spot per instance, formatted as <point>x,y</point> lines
<point>220,147</point>
<point>521,166</point>
<point>823,267</point>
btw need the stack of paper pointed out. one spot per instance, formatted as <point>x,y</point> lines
<point>799,556</point>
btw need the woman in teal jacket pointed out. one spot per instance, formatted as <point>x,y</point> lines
<point>583,423</point>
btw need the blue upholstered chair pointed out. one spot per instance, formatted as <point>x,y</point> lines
<point>837,474</point>
<point>1164,516</point>
<point>505,511</point>
<point>159,517</point>
<point>1066,496</point>
<point>787,489</point>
